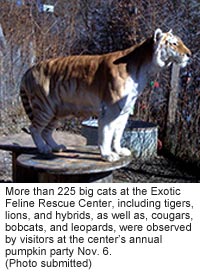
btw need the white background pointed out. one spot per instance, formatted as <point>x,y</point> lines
<point>179,252</point>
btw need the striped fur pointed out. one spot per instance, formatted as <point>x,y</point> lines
<point>105,85</point>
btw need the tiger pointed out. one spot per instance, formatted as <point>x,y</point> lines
<point>105,85</point>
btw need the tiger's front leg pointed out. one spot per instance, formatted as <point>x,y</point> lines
<point>119,129</point>
<point>105,136</point>
<point>110,133</point>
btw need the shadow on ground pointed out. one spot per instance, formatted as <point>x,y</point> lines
<point>158,170</point>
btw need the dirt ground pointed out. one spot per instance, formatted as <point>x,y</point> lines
<point>158,170</point>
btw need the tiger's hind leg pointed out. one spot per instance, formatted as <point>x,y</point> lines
<point>41,130</point>
<point>47,136</point>
<point>38,140</point>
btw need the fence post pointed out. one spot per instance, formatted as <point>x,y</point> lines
<point>171,128</point>
<point>173,96</point>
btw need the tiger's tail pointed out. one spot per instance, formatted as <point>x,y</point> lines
<point>25,99</point>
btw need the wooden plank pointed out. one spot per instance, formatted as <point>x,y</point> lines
<point>23,143</point>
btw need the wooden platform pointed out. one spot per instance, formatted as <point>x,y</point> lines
<point>80,164</point>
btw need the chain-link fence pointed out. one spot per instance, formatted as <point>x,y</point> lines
<point>29,33</point>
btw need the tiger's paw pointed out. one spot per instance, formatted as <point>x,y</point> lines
<point>112,157</point>
<point>45,149</point>
<point>59,148</point>
<point>124,152</point>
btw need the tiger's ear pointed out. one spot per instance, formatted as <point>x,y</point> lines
<point>157,35</point>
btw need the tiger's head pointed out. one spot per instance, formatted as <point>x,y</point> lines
<point>169,48</point>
